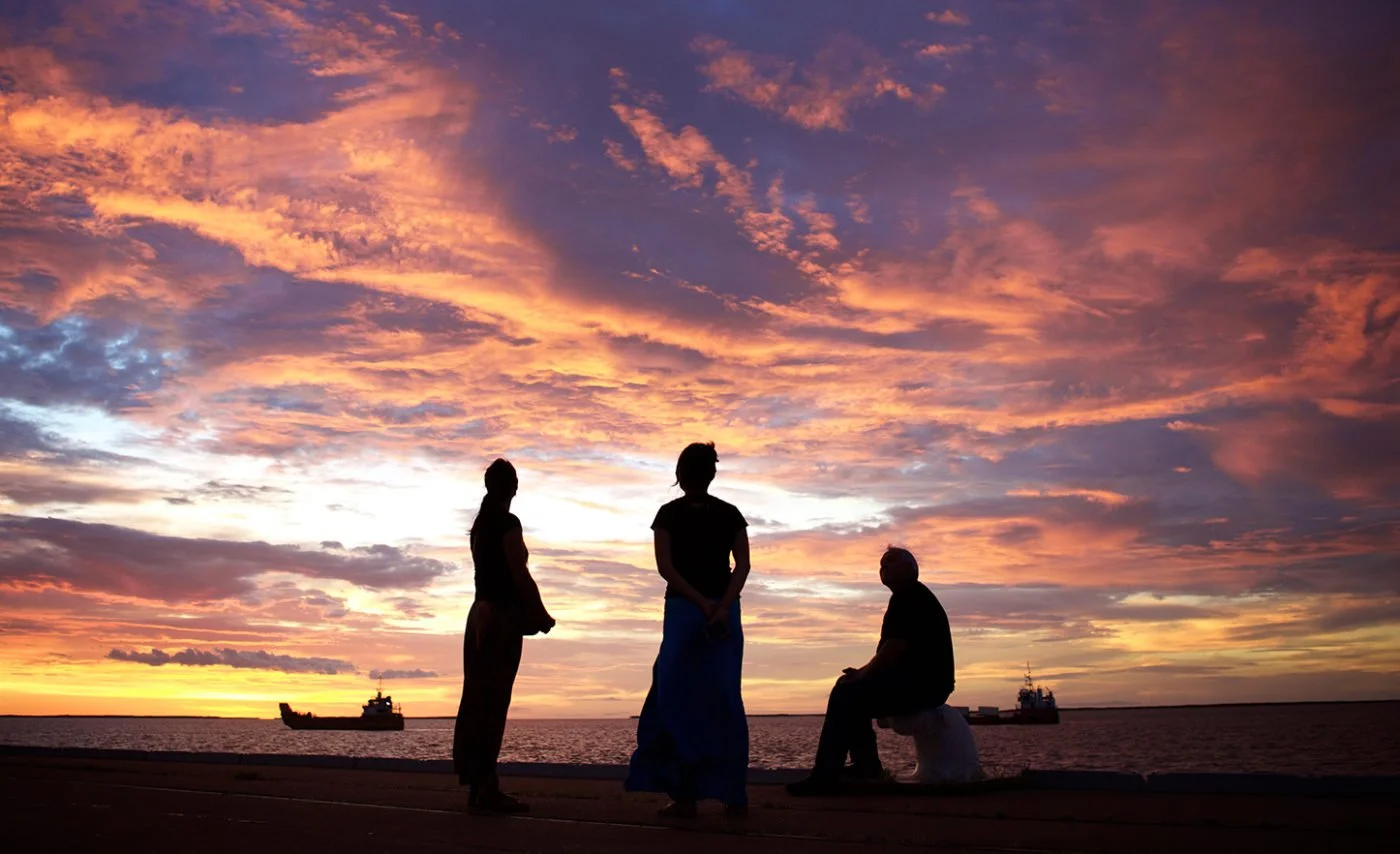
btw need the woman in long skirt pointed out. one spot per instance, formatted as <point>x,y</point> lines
<point>693,737</point>
<point>507,608</point>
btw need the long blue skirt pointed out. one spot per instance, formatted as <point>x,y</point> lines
<point>693,737</point>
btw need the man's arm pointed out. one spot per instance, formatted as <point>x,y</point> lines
<point>892,647</point>
<point>886,657</point>
<point>517,558</point>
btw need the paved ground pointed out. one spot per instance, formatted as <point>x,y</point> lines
<point>56,805</point>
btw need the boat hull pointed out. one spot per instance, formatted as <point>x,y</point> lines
<point>1031,718</point>
<point>306,720</point>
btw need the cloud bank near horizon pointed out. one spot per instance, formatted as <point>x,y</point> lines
<point>225,657</point>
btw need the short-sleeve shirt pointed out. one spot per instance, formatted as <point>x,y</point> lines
<point>493,579</point>
<point>702,532</point>
<point>916,617</point>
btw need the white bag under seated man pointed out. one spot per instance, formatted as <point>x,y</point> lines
<point>943,744</point>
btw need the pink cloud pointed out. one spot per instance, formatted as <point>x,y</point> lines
<point>613,149</point>
<point>820,96</point>
<point>1353,459</point>
<point>944,51</point>
<point>949,17</point>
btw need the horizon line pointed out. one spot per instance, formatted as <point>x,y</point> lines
<point>753,715</point>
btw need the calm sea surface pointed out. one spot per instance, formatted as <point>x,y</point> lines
<point>1361,738</point>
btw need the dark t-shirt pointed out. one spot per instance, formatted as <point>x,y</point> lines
<point>493,579</point>
<point>916,617</point>
<point>702,533</point>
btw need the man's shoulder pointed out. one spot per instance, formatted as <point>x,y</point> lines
<point>918,594</point>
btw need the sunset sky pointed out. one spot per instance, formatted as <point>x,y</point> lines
<point>1091,305</point>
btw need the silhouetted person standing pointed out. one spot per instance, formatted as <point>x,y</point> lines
<point>507,608</point>
<point>693,737</point>
<point>912,670</point>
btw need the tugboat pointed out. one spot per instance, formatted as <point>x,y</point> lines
<point>378,714</point>
<point>1034,705</point>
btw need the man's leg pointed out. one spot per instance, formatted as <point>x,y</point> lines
<point>865,757</point>
<point>846,729</point>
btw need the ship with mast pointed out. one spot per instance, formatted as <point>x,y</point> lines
<point>1034,705</point>
<point>378,714</point>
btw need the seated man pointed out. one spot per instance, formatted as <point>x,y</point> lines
<point>912,670</point>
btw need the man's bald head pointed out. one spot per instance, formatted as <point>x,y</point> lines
<point>898,566</point>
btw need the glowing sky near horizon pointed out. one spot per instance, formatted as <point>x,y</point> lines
<point>1093,306</point>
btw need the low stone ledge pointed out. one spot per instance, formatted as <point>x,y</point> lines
<point>776,776</point>
<point>562,770</point>
<point>195,757</point>
<point>1050,779</point>
<point>100,753</point>
<point>394,763</point>
<point>1084,781</point>
<point>27,750</point>
<point>298,760</point>
<point>1220,783</point>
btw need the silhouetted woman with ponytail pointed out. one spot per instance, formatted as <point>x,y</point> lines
<point>693,737</point>
<point>507,608</point>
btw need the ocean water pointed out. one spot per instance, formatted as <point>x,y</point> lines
<point>1359,738</point>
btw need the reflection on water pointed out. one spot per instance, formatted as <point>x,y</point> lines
<point>1308,739</point>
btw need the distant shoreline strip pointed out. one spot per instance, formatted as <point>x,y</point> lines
<point>1245,783</point>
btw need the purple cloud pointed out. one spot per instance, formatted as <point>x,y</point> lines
<point>226,657</point>
<point>126,561</point>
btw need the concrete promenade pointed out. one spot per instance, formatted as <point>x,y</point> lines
<point>64,803</point>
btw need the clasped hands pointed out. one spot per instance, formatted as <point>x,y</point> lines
<point>714,613</point>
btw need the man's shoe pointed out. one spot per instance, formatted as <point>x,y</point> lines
<point>865,773</point>
<point>496,803</point>
<point>815,786</point>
